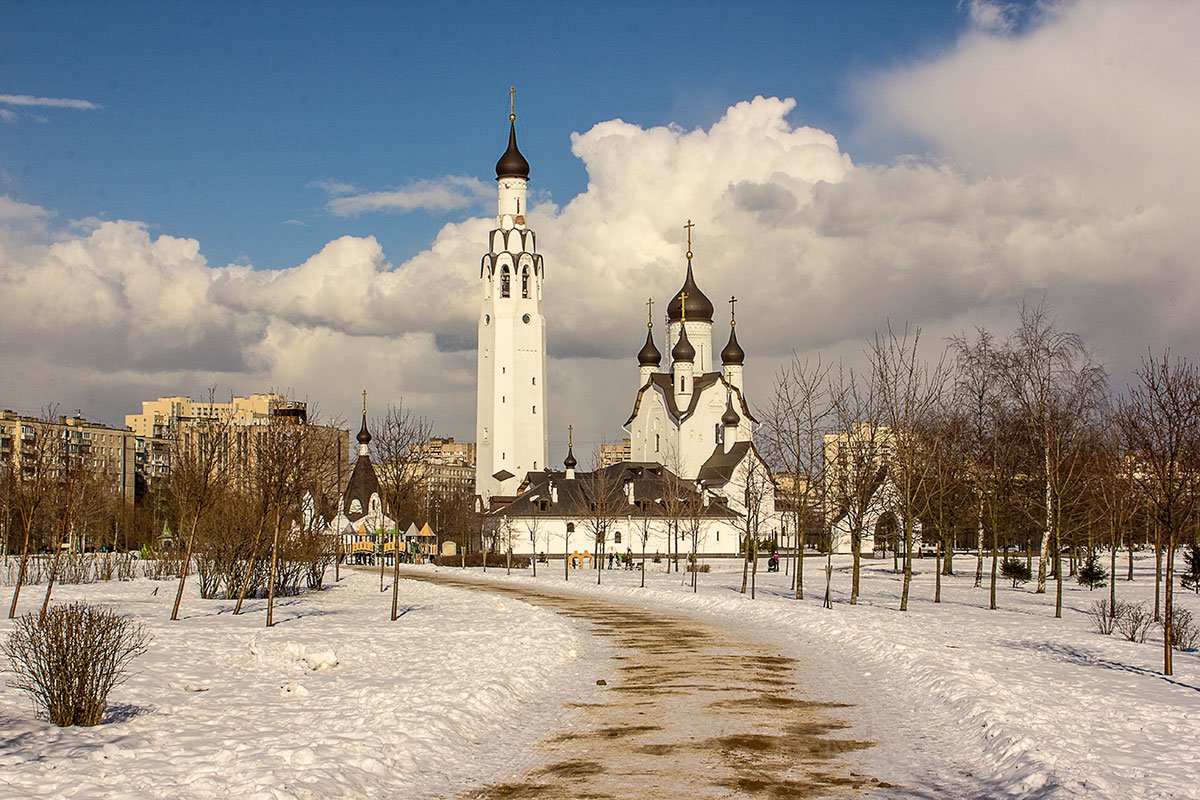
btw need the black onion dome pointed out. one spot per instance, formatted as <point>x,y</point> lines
<point>649,356</point>
<point>733,353</point>
<point>699,307</point>
<point>569,462</point>
<point>364,435</point>
<point>683,350</point>
<point>730,417</point>
<point>512,164</point>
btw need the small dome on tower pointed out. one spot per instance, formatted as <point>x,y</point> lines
<point>512,164</point>
<point>730,417</point>
<point>733,353</point>
<point>683,350</point>
<point>569,462</point>
<point>699,308</point>
<point>364,435</point>
<point>649,356</point>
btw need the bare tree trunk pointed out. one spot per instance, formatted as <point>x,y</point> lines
<point>979,543</point>
<point>395,580</point>
<point>1058,574</point>
<point>1129,544</point>
<point>187,559</point>
<point>271,577</point>
<point>799,575</point>
<point>1112,571</point>
<point>937,572</point>
<point>995,558</point>
<point>746,563</point>
<point>237,609</point>
<point>856,546</point>
<point>1045,545</point>
<point>908,555</point>
<point>1168,601</point>
<point>1158,575</point>
<point>754,568</point>
<point>12,609</point>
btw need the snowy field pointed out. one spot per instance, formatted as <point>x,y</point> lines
<point>964,702</point>
<point>222,707</point>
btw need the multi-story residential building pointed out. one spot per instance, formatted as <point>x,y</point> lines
<point>444,450</point>
<point>124,457</point>
<point>611,454</point>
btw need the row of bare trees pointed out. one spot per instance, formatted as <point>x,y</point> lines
<point>992,444</point>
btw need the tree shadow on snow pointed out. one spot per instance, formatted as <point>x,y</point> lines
<point>1075,655</point>
<point>123,712</point>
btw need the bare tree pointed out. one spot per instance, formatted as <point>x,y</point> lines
<point>604,503</point>
<point>799,415</point>
<point>199,476</point>
<point>752,484</point>
<point>854,467</point>
<point>73,493</point>
<point>29,482</point>
<point>533,524</point>
<point>1056,385</point>
<point>911,394</point>
<point>1161,422</point>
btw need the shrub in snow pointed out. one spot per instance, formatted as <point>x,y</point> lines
<point>1134,621</point>
<point>1185,633</point>
<point>1015,570</point>
<point>1190,577</point>
<point>1104,616</point>
<point>70,659</point>
<point>1092,575</point>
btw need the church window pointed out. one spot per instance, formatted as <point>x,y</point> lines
<point>525,285</point>
<point>535,409</point>
<point>681,379</point>
<point>502,398</point>
<point>502,369</point>
<point>504,281</point>
<point>617,537</point>
<point>525,318</point>
<point>656,442</point>
<point>717,432</point>
<point>487,319</point>
<point>535,465</point>
<point>502,454</point>
<point>570,527</point>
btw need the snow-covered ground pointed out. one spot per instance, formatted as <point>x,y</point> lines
<point>963,701</point>
<point>222,707</point>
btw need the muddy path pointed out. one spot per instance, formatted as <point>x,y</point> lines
<point>691,709</point>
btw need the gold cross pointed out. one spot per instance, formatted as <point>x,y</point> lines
<point>570,436</point>
<point>512,102</point>
<point>732,319</point>
<point>683,306</point>
<point>649,312</point>
<point>364,402</point>
<point>689,227</point>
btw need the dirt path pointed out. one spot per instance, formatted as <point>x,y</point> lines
<point>693,710</point>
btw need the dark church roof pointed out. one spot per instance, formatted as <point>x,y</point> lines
<point>699,308</point>
<point>364,435</point>
<point>663,382</point>
<point>652,483</point>
<point>719,467</point>
<point>512,164</point>
<point>733,353</point>
<point>683,350</point>
<point>649,356</point>
<point>363,483</point>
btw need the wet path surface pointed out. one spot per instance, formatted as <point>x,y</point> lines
<point>693,709</point>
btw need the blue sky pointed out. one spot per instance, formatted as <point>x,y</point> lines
<point>296,196</point>
<point>217,119</point>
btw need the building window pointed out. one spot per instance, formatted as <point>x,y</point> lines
<point>535,381</point>
<point>504,282</point>
<point>525,285</point>
<point>535,409</point>
<point>617,537</point>
<point>656,442</point>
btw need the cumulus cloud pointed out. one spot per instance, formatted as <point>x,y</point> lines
<point>46,102</point>
<point>1051,158</point>
<point>444,194</point>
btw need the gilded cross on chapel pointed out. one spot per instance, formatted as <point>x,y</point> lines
<point>649,312</point>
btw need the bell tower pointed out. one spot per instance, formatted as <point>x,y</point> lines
<point>510,421</point>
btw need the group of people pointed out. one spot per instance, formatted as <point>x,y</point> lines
<point>615,560</point>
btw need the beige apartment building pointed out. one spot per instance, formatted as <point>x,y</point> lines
<point>122,456</point>
<point>611,454</point>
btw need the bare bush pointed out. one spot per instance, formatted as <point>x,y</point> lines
<point>1134,621</point>
<point>1104,615</point>
<point>70,658</point>
<point>1185,633</point>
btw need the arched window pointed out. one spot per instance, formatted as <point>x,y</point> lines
<point>505,291</point>
<point>617,537</point>
<point>717,433</point>
<point>525,282</point>
<point>570,527</point>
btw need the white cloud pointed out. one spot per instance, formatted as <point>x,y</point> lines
<point>15,211</point>
<point>1024,186</point>
<point>443,194</point>
<point>8,116</point>
<point>46,102</point>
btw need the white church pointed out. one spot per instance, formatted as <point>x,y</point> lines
<point>691,427</point>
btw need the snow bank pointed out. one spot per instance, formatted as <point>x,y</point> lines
<point>334,701</point>
<point>963,701</point>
